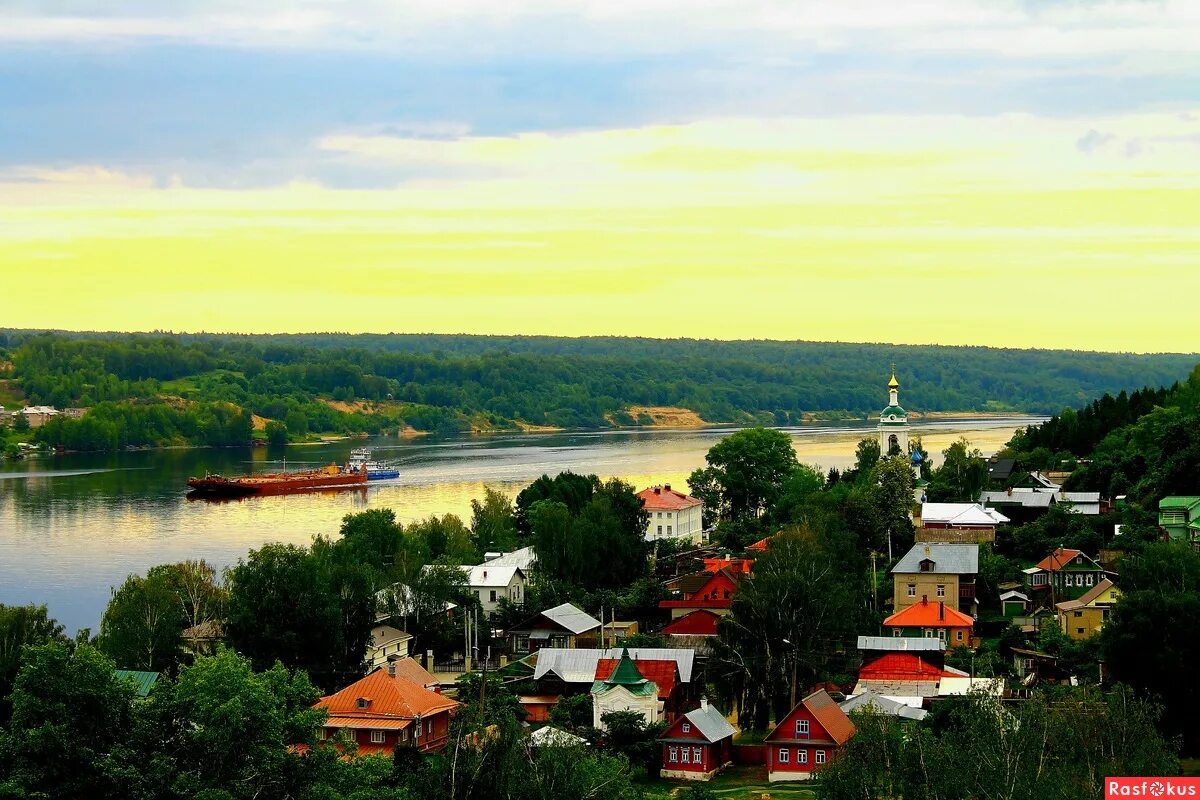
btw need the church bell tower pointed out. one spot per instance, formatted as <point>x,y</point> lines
<point>893,423</point>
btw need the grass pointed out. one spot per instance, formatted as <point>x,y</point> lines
<point>732,783</point>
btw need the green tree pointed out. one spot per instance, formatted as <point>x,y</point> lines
<point>962,475</point>
<point>143,624</point>
<point>892,485</point>
<point>20,423</point>
<point>866,456</point>
<point>68,736</point>
<point>21,626</point>
<point>493,522</point>
<point>572,713</point>
<point>744,473</point>
<point>277,433</point>
<point>627,734</point>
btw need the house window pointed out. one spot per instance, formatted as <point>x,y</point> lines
<point>685,755</point>
<point>696,755</point>
<point>378,737</point>
<point>942,634</point>
<point>801,756</point>
<point>1089,579</point>
<point>430,728</point>
<point>1078,614</point>
<point>802,728</point>
<point>820,756</point>
<point>687,728</point>
<point>912,590</point>
<point>897,633</point>
<point>674,755</point>
<point>324,734</point>
<point>404,735</point>
<point>363,702</point>
<point>493,597</point>
<point>521,643</point>
<point>1079,630</point>
<point>660,530</point>
<point>784,755</point>
<point>417,730</point>
<point>941,590</point>
<point>668,530</point>
<point>660,515</point>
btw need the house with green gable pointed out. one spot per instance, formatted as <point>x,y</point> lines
<point>1180,518</point>
<point>625,689</point>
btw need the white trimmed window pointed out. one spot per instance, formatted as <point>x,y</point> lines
<point>674,755</point>
<point>685,755</point>
<point>912,590</point>
<point>686,727</point>
<point>801,756</point>
<point>959,635</point>
<point>941,590</point>
<point>696,758</point>
<point>784,755</point>
<point>802,727</point>
<point>378,737</point>
<point>820,756</point>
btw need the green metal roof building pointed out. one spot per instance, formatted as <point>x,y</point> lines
<point>142,681</point>
<point>1180,517</point>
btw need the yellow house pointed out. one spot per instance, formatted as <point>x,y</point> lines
<point>1081,618</point>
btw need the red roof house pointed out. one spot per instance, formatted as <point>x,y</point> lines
<point>715,594</point>
<point>697,744</point>
<point>739,566</point>
<point>807,738</point>
<point>700,622</point>
<point>761,545</point>
<point>664,498</point>
<point>926,619</point>
<point>384,711</point>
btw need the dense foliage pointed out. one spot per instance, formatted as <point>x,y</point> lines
<point>449,383</point>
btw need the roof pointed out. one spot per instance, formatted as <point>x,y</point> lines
<point>389,697</point>
<point>571,618</point>
<point>948,559</point>
<point>826,712</point>
<point>882,705</point>
<point>660,672</point>
<point>1059,559</point>
<point>143,681</point>
<point>379,724</point>
<point>710,723</point>
<point>761,545</point>
<point>579,665</point>
<point>625,675</point>
<point>893,689</point>
<point>1034,653</point>
<point>522,558</point>
<point>411,670</point>
<point>489,576</point>
<point>961,514</point>
<point>691,583</point>
<point>664,498</point>
<point>1087,598</point>
<point>931,615</point>
<point>902,667</point>
<point>382,635</point>
<point>1014,595</point>
<point>1025,499</point>
<point>1179,501</point>
<point>553,737</point>
<point>700,622</point>
<point>1001,468</point>
<point>912,644</point>
<point>735,565</point>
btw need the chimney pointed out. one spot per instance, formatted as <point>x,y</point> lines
<point>928,551</point>
<point>667,487</point>
<point>1010,491</point>
<point>703,702</point>
<point>924,599</point>
<point>941,609</point>
<point>391,668</point>
<point>658,490</point>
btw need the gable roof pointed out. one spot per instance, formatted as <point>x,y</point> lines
<point>929,615</point>
<point>707,721</point>
<point>1013,594</point>
<point>902,667</point>
<point>410,670</point>
<point>553,737</point>
<point>625,676</point>
<point>1061,557</point>
<point>382,635</point>
<point>661,672</point>
<point>1087,598</point>
<point>1001,468</point>
<point>389,698</point>
<point>491,577</point>
<point>664,498</point>
<point>579,665</point>
<point>960,514</point>
<point>881,705</point>
<point>825,711</point>
<point>761,545</point>
<point>143,681</point>
<point>522,558</point>
<point>1026,499</point>
<point>948,559</point>
<point>700,622</point>
<point>573,619</point>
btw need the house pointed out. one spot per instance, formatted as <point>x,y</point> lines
<point>1066,574</point>
<point>673,514</point>
<point>1084,616</point>
<point>957,523</point>
<point>563,626</point>
<point>808,737</point>
<point>613,632</point>
<point>523,558</point>
<point>697,745</point>
<point>906,670</point>
<point>1180,518</point>
<point>1013,603</point>
<point>882,705</point>
<point>560,672</point>
<point>738,566</point>
<point>538,706</point>
<point>760,546</point>
<point>624,688</point>
<point>204,638</point>
<point>1000,469</point>
<point>1033,666</point>
<point>493,584</point>
<point>387,643</point>
<point>384,711</point>
<point>943,572</point>
<point>701,622</point>
<point>37,416</point>
<point>143,682</point>
<point>1035,493</point>
<point>710,591</point>
<point>932,620</point>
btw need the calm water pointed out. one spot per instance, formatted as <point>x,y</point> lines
<point>73,526</point>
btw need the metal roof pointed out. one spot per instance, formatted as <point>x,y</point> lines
<point>882,705</point>
<point>960,514</point>
<point>553,737</point>
<point>711,724</point>
<point>1025,499</point>
<point>911,644</point>
<point>579,665</point>
<point>143,681</point>
<point>522,558</point>
<point>895,689</point>
<point>571,618</point>
<point>948,559</point>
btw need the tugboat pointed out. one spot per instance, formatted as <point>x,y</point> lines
<point>330,477</point>
<point>360,458</point>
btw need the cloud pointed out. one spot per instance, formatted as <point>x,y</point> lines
<point>1093,140</point>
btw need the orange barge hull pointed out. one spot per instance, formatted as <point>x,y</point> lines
<point>276,483</point>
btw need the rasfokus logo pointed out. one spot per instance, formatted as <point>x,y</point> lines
<point>1151,787</point>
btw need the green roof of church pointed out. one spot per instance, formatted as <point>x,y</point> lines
<point>626,675</point>
<point>897,410</point>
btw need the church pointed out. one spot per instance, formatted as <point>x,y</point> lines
<point>893,436</point>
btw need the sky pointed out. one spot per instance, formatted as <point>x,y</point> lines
<point>1002,172</point>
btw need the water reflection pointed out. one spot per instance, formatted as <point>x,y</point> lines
<point>72,526</point>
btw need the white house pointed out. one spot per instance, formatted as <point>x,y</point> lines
<point>493,584</point>
<point>673,514</point>
<point>625,689</point>
<point>387,643</point>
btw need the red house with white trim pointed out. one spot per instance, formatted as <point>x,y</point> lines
<point>714,594</point>
<point>697,745</point>
<point>810,736</point>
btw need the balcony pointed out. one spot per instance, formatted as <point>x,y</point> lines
<point>966,591</point>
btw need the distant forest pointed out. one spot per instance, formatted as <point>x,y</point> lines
<point>450,383</point>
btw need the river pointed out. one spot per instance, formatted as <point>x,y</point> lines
<point>73,526</point>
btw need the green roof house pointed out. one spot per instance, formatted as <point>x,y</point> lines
<point>1180,517</point>
<point>142,681</point>
<point>625,689</point>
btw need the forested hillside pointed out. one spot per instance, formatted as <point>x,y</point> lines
<point>337,382</point>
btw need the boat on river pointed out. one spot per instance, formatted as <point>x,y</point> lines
<point>360,458</point>
<point>330,477</point>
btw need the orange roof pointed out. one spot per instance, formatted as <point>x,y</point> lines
<point>387,724</point>
<point>660,672</point>
<point>411,670</point>
<point>387,697</point>
<point>664,498</point>
<point>1058,559</point>
<point>929,615</point>
<point>738,566</point>
<point>830,715</point>
<point>761,545</point>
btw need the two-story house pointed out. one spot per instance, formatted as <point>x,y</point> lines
<point>563,626</point>
<point>932,620</point>
<point>708,591</point>
<point>673,514</point>
<point>495,583</point>
<point>1180,518</point>
<point>1065,574</point>
<point>939,572</point>
<point>1086,615</point>
<point>807,738</point>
